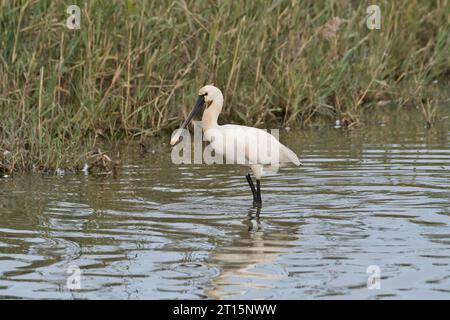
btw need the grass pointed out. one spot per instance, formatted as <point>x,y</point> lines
<point>134,67</point>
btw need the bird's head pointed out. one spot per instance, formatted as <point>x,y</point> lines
<point>206,96</point>
<point>209,94</point>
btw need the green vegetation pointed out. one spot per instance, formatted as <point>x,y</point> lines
<point>134,67</point>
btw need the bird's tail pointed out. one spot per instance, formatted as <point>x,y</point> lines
<point>289,156</point>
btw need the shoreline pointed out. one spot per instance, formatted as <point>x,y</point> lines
<point>104,157</point>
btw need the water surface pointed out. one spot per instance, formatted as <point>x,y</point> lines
<point>375,196</point>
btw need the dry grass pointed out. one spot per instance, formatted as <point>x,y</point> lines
<point>134,67</point>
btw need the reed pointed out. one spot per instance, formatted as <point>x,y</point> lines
<point>134,67</point>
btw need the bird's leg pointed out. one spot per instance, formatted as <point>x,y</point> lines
<point>258,192</point>
<point>252,186</point>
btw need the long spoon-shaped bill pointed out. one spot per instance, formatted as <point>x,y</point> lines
<point>196,109</point>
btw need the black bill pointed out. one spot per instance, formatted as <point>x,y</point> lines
<point>195,110</point>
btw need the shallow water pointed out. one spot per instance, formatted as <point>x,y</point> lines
<point>376,196</point>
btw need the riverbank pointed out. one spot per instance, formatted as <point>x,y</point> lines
<point>133,69</point>
<point>107,157</point>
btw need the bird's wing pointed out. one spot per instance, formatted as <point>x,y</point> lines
<point>260,146</point>
<point>287,155</point>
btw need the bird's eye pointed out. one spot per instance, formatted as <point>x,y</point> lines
<point>206,93</point>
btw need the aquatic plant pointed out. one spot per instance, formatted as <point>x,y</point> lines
<point>131,65</point>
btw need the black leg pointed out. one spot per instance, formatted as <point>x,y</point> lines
<point>252,186</point>
<point>258,192</point>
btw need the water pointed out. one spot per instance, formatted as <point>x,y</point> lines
<point>378,196</point>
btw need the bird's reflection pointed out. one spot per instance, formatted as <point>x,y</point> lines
<point>253,220</point>
<point>249,261</point>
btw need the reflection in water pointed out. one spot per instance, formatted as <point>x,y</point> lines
<point>240,260</point>
<point>375,196</point>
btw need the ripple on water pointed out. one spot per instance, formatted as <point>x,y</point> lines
<point>166,231</point>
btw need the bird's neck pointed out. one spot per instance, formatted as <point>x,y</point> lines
<point>211,114</point>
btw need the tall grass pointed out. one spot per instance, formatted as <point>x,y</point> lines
<point>134,67</point>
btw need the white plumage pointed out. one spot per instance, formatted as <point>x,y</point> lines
<point>237,144</point>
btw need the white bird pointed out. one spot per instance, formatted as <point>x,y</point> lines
<point>248,146</point>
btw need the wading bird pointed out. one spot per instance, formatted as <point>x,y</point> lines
<point>257,148</point>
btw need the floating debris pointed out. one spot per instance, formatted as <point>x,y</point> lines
<point>85,169</point>
<point>99,163</point>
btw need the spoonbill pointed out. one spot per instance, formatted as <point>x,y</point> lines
<point>260,149</point>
